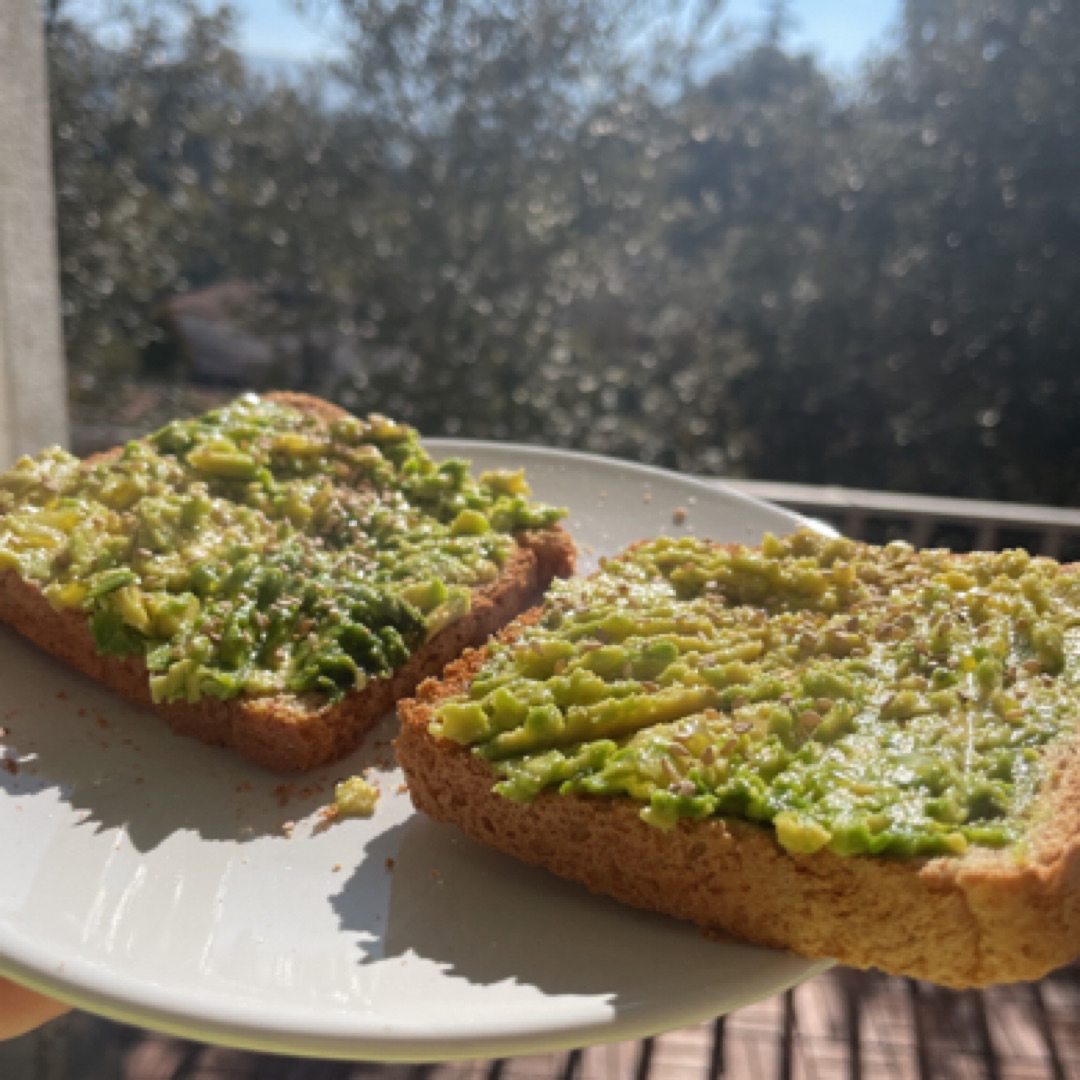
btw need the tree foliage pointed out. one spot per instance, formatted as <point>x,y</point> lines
<point>608,230</point>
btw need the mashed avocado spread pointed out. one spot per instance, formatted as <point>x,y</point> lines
<point>258,550</point>
<point>862,699</point>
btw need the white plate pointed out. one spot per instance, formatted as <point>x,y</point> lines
<point>148,878</point>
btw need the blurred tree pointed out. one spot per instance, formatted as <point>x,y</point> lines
<point>473,251</point>
<point>140,134</point>
<point>978,167</point>
<point>898,264</point>
<point>602,227</point>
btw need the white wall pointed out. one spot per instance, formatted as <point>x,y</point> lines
<point>33,406</point>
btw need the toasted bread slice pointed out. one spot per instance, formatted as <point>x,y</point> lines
<point>286,731</point>
<point>986,915</point>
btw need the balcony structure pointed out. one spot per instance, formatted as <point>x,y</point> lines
<point>928,520</point>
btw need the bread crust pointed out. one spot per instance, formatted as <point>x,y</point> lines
<point>293,733</point>
<point>962,921</point>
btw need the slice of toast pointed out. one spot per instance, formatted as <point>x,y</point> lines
<point>293,731</point>
<point>983,915</point>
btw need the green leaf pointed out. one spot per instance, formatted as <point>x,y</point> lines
<point>113,636</point>
<point>109,581</point>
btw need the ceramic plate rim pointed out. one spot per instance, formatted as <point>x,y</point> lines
<point>82,984</point>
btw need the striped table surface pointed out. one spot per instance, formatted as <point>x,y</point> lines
<point>842,1024</point>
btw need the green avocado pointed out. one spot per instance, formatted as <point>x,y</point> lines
<point>255,550</point>
<point>864,700</point>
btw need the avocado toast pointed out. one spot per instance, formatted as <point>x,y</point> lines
<point>861,752</point>
<point>270,576</point>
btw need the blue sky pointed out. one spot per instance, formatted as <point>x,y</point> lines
<point>839,31</point>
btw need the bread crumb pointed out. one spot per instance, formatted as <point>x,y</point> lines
<point>647,497</point>
<point>402,789</point>
<point>284,793</point>
<point>390,866</point>
<point>679,515</point>
<point>337,867</point>
<point>288,827</point>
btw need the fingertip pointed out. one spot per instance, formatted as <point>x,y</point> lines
<point>22,1010</point>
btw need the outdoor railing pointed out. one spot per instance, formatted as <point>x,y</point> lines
<point>928,520</point>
